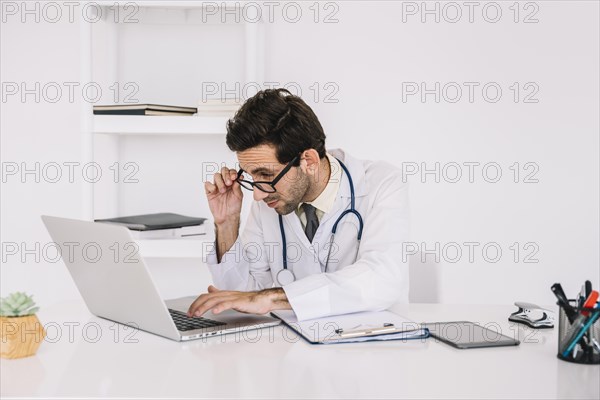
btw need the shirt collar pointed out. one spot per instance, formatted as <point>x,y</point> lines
<point>324,201</point>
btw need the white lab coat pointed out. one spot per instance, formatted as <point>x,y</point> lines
<point>376,280</point>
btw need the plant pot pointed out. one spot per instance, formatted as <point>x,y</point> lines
<point>20,336</point>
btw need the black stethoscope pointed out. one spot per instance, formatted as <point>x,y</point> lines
<point>285,276</point>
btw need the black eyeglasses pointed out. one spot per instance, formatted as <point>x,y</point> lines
<point>267,187</point>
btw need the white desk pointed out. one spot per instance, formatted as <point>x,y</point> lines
<point>269,366</point>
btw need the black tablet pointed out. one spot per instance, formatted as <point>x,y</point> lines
<point>468,335</point>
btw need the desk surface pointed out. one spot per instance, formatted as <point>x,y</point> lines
<point>85,356</point>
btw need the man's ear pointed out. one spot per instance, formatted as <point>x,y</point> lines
<point>309,161</point>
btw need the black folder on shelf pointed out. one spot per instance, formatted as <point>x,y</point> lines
<point>150,222</point>
<point>143,109</point>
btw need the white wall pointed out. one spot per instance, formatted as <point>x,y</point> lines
<point>366,57</point>
<point>37,132</point>
<point>370,52</point>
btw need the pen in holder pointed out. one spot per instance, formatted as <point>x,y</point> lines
<point>579,336</point>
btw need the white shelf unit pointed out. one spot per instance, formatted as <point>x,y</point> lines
<point>115,127</point>
<point>172,248</point>
<point>158,125</point>
<point>175,4</point>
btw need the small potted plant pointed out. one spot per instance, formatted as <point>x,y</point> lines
<point>21,332</point>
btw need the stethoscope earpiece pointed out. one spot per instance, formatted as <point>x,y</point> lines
<point>285,276</point>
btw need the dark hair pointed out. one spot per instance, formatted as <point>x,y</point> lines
<point>278,118</point>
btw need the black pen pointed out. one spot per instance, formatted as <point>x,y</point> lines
<point>588,289</point>
<point>563,302</point>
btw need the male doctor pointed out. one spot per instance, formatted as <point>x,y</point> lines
<point>301,191</point>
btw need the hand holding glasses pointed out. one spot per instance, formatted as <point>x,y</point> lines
<point>225,196</point>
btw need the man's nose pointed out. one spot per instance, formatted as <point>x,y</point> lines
<point>259,194</point>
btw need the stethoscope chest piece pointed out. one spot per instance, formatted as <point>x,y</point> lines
<point>285,277</point>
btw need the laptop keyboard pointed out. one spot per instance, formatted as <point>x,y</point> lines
<point>185,323</point>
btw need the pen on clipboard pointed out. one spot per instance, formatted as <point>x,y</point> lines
<point>386,328</point>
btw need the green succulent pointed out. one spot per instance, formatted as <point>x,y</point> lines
<point>17,304</point>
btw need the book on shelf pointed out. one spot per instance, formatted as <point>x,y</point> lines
<point>161,226</point>
<point>218,107</point>
<point>143,109</point>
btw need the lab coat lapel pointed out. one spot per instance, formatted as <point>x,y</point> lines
<point>357,170</point>
<point>342,202</point>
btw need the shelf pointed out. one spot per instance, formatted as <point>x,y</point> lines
<point>186,4</point>
<point>172,248</point>
<point>159,125</point>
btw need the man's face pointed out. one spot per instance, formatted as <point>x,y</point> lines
<point>261,164</point>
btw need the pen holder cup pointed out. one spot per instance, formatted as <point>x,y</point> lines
<point>587,348</point>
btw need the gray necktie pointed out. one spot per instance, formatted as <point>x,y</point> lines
<point>312,222</point>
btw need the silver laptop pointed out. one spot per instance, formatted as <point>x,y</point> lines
<point>116,284</point>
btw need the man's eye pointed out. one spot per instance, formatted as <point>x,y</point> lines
<point>266,176</point>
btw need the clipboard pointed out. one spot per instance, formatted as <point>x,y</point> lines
<point>352,328</point>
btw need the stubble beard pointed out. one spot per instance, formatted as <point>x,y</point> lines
<point>297,191</point>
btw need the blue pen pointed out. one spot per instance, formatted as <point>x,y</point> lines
<point>583,330</point>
